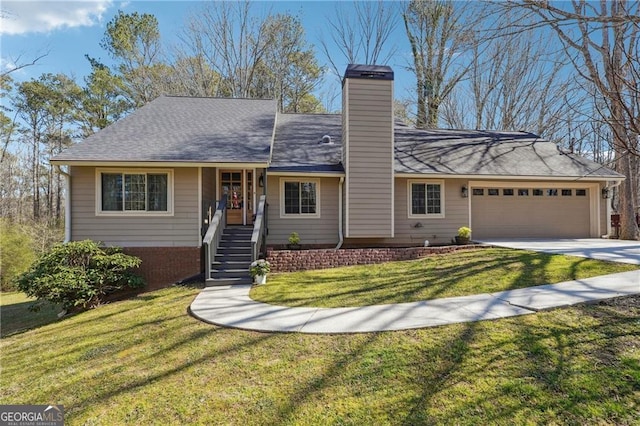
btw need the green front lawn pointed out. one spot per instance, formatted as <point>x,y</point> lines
<point>146,361</point>
<point>16,317</point>
<point>455,274</point>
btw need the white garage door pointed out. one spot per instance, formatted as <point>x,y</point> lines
<point>527,212</point>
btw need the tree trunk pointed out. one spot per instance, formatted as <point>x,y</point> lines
<point>628,225</point>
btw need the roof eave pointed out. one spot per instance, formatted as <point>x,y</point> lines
<point>618,178</point>
<point>102,163</point>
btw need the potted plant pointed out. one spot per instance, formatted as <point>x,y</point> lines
<point>464,235</point>
<point>294,241</point>
<point>259,270</point>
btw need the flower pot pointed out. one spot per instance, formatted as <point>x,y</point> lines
<point>260,279</point>
<point>462,240</point>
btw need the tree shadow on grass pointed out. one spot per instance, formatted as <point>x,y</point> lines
<point>570,365</point>
<point>424,279</point>
<point>18,318</point>
<point>125,358</point>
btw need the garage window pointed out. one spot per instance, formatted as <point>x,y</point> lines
<point>552,192</point>
<point>567,193</point>
<point>538,192</point>
<point>478,191</point>
<point>507,192</point>
<point>493,191</point>
<point>581,192</point>
<point>426,199</point>
<point>523,192</point>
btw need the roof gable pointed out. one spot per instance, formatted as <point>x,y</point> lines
<point>184,129</point>
<point>299,144</point>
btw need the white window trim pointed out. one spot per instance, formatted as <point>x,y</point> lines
<point>440,215</point>
<point>284,215</point>
<point>133,213</point>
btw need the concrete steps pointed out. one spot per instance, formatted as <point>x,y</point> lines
<point>233,258</point>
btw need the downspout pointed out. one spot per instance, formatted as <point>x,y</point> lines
<point>67,204</point>
<point>340,234</point>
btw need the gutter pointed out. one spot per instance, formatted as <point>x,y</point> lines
<point>616,184</point>
<point>340,234</point>
<point>67,204</point>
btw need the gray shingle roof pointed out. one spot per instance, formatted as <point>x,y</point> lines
<point>184,129</point>
<point>299,147</point>
<point>484,153</point>
<point>187,129</point>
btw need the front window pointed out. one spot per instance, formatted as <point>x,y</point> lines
<point>134,192</point>
<point>426,199</point>
<point>300,197</point>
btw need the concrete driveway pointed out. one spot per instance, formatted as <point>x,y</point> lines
<point>595,248</point>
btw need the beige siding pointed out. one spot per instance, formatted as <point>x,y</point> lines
<point>414,231</point>
<point>179,230</point>
<point>313,231</point>
<point>436,230</point>
<point>369,167</point>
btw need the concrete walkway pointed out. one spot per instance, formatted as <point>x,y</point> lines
<point>231,306</point>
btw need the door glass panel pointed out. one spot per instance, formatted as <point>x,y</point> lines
<point>231,184</point>
<point>249,195</point>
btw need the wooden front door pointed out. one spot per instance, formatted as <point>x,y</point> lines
<point>231,187</point>
<point>237,185</point>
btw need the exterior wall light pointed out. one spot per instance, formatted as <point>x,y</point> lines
<point>261,181</point>
<point>606,193</point>
<point>464,191</point>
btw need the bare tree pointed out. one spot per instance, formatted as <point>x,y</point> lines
<point>191,76</point>
<point>439,32</point>
<point>361,33</point>
<point>601,41</point>
<point>232,42</point>
<point>516,82</point>
<point>20,63</point>
<point>250,56</point>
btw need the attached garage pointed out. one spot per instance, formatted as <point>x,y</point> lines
<point>534,210</point>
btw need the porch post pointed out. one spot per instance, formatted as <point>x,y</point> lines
<point>244,196</point>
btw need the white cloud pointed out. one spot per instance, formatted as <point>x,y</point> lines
<point>22,17</point>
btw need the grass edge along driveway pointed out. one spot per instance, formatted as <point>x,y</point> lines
<point>460,273</point>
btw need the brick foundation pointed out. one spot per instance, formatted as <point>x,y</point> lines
<point>303,260</point>
<point>163,266</point>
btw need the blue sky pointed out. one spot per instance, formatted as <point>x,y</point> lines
<point>68,30</point>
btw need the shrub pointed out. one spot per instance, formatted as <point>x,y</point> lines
<point>79,274</point>
<point>16,253</point>
<point>259,267</point>
<point>464,232</point>
<point>294,238</point>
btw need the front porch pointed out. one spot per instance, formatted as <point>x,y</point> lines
<point>241,186</point>
<point>229,249</point>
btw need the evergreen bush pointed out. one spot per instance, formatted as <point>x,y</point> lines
<point>79,274</point>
